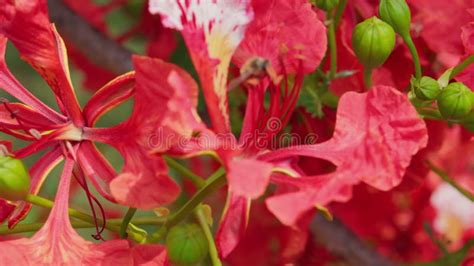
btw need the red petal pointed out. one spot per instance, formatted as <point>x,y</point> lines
<point>96,168</point>
<point>29,118</point>
<point>144,182</point>
<point>376,135</point>
<point>12,86</point>
<point>110,95</point>
<point>284,31</point>
<point>467,37</point>
<point>42,47</point>
<point>172,98</point>
<point>442,22</point>
<point>467,77</point>
<point>149,255</point>
<point>7,144</point>
<point>248,178</point>
<point>233,224</point>
<point>5,210</point>
<point>212,31</point>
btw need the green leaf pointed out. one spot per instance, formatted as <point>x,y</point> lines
<point>443,80</point>
<point>310,98</point>
<point>311,102</point>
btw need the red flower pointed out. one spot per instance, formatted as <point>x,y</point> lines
<point>381,122</point>
<point>172,99</point>
<point>56,243</point>
<point>287,32</point>
<point>72,132</point>
<point>376,135</point>
<point>440,24</point>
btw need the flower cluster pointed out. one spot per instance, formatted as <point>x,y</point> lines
<point>349,109</point>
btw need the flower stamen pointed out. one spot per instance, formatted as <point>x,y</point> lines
<point>78,175</point>
<point>15,114</point>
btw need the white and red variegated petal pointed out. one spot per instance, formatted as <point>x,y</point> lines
<point>212,30</point>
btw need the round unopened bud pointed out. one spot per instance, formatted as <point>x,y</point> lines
<point>373,41</point>
<point>426,88</point>
<point>455,101</point>
<point>186,244</point>
<point>397,14</point>
<point>14,179</point>
<point>326,5</point>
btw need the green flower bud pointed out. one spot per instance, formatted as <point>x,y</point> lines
<point>373,41</point>
<point>326,5</point>
<point>397,14</point>
<point>426,88</point>
<point>186,244</point>
<point>455,101</point>
<point>14,179</point>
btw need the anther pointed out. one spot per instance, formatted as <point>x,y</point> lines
<point>35,133</point>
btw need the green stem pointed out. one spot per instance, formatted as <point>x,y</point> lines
<point>215,182</point>
<point>201,217</point>
<point>332,47</point>
<point>339,12</point>
<point>450,181</point>
<point>462,66</point>
<point>434,239</point>
<point>414,54</point>
<point>196,179</point>
<point>126,220</point>
<point>22,228</point>
<point>368,78</point>
<point>40,201</point>
<point>144,221</point>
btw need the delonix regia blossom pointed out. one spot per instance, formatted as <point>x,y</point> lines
<point>254,60</point>
<point>249,171</point>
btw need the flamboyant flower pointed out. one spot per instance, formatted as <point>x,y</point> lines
<point>381,122</point>
<point>57,243</point>
<point>270,37</point>
<point>213,31</point>
<point>72,131</point>
<point>172,99</point>
<point>376,135</point>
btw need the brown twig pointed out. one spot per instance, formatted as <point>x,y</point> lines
<point>97,47</point>
<point>103,51</point>
<point>342,242</point>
